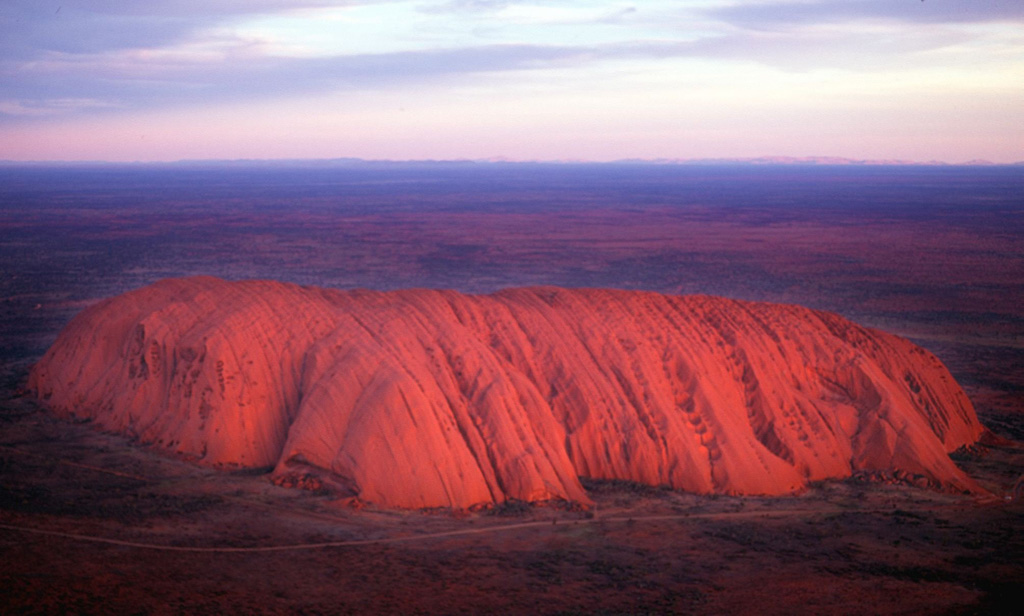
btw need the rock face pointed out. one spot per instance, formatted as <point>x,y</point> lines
<point>424,398</point>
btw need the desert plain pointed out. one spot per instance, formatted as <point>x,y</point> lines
<point>94,523</point>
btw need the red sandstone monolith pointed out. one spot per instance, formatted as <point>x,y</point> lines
<point>424,398</point>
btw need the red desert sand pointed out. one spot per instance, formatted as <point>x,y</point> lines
<point>424,398</point>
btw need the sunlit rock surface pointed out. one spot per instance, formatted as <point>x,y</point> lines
<point>424,398</point>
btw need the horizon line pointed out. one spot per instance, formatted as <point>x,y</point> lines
<point>499,160</point>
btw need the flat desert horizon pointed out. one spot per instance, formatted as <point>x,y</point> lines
<point>93,521</point>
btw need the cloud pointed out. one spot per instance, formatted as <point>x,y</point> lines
<point>228,69</point>
<point>858,35</point>
<point>30,27</point>
<point>454,6</point>
<point>99,56</point>
<point>28,31</point>
<point>533,14</point>
<point>70,57</point>
<point>830,49</point>
<point>117,81</point>
<point>512,12</point>
<point>772,15</point>
<point>115,55</point>
<point>50,107</point>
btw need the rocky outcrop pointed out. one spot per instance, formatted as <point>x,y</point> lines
<point>425,398</point>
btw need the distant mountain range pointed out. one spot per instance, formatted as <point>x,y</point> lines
<point>814,160</point>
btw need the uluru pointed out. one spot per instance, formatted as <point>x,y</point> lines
<point>429,398</point>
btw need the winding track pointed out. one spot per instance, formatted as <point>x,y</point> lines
<point>721,515</point>
<point>410,538</point>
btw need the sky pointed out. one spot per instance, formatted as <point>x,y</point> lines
<point>121,80</point>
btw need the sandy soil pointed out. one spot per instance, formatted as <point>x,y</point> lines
<point>90,524</point>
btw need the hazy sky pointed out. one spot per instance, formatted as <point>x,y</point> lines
<point>601,80</point>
